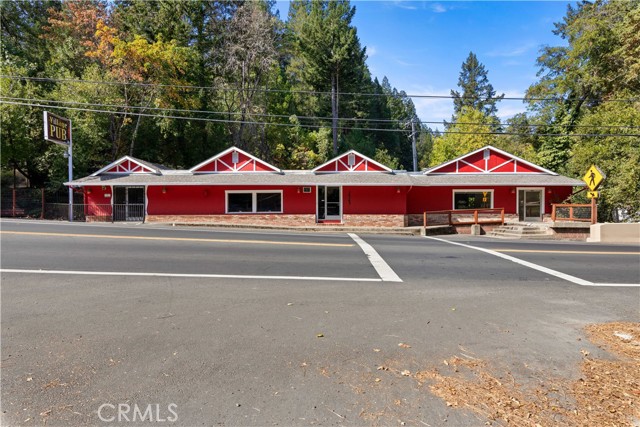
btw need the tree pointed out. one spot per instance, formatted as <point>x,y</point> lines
<point>477,92</point>
<point>470,131</point>
<point>328,45</point>
<point>251,53</point>
<point>617,156</point>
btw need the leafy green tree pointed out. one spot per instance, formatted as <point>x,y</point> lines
<point>470,131</point>
<point>591,66</point>
<point>477,92</point>
<point>617,156</point>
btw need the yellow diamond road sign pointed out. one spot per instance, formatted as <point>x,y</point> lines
<point>592,194</point>
<point>593,177</point>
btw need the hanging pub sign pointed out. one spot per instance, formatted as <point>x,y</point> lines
<point>57,129</point>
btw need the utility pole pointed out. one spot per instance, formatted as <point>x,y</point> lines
<point>413,146</point>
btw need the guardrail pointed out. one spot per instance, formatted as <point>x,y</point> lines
<point>573,212</point>
<point>464,217</point>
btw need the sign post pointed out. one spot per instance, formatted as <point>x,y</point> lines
<point>593,178</point>
<point>58,130</point>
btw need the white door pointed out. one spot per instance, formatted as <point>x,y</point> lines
<point>329,203</point>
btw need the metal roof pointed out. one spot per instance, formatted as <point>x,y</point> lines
<point>310,178</point>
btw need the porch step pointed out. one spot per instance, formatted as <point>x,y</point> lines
<point>521,231</point>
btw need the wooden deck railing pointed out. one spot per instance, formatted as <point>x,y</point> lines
<point>572,212</point>
<point>464,217</point>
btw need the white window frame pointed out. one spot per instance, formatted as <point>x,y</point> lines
<point>254,201</point>
<point>471,190</point>
<point>543,205</point>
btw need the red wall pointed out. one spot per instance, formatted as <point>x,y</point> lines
<point>96,200</point>
<point>374,200</point>
<point>421,199</point>
<point>210,200</point>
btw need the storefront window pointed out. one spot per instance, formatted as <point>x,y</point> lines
<point>482,199</point>
<point>254,202</point>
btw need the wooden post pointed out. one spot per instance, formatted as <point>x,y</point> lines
<point>424,220</point>
<point>553,212</point>
<point>450,222</point>
<point>502,216</point>
<point>13,202</point>
<point>475,217</point>
<point>594,211</point>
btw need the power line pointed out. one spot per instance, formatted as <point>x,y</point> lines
<point>304,125</point>
<point>307,92</point>
<point>285,116</point>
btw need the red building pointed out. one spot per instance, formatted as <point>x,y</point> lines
<point>351,189</point>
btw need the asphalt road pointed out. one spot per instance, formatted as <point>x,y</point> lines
<point>224,325</point>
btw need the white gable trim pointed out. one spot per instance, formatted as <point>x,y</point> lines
<point>122,160</point>
<point>516,159</point>
<point>234,168</point>
<point>351,169</point>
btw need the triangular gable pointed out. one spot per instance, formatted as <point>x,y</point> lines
<point>127,165</point>
<point>488,159</point>
<point>351,161</point>
<point>233,160</point>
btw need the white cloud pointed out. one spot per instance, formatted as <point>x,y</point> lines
<point>405,4</point>
<point>509,108</point>
<point>371,51</point>
<point>513,51</point>
<point>438,8</point>
<point>439,109</point>
<point>432,109</point>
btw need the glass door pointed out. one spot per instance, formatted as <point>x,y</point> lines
<point>329,203</point>
<point>530,205</point>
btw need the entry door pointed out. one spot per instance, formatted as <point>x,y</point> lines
<point>128,204</point>
<point>329,203</point>
<point>530,205</point>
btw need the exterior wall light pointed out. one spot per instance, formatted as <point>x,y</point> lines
<point>164,190</point>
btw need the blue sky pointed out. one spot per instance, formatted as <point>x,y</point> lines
<point>421,45</point>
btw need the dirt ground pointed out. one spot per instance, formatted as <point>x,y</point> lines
<point>607,393</point>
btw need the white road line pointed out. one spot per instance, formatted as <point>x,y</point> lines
<point>189,276</point>
<point>384,271</point>
<point>546,270</point>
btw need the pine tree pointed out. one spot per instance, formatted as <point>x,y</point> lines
<point>477,92</point>
<point>329,47</point>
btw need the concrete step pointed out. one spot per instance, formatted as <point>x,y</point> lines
<point>514,231</point>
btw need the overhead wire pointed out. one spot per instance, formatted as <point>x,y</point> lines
<point>308,92</point>
<point>125,113</point>
<point>285,116</point>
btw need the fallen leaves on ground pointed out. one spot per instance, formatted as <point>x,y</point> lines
<point>607,392</point>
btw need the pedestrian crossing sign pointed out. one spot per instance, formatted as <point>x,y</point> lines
<point>593,178</point>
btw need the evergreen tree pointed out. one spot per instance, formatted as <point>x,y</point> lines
<point>477,92</point>
<point>328,45</point>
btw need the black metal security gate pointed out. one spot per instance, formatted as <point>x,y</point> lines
<point>128,204</point>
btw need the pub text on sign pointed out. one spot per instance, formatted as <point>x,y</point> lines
<point>57,129</point>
